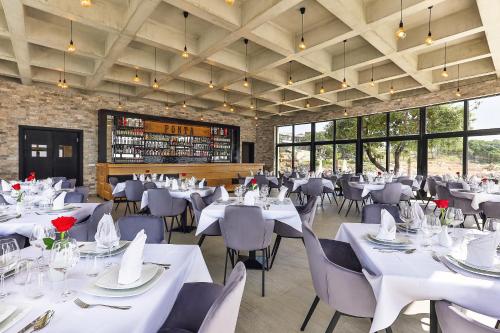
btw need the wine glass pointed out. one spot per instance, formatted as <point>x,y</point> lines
<point>64,256</point>
<point>264,191</point>
<point>492,224</point>
<point>9,256</point>
<point>37,236</point>
<point>107,236</point>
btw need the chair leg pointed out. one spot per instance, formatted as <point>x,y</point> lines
<point>135,207</point>
<point>322,198</point>
<point>335,199</point>
<point>333,322</point>
<point>349,208</point>
<point>170,232</point>
<point>264,264</point>
<point>388,330</point>
<point>477,222</point>
<point>225,266</point>
<point>202,238</point>
<point>428,202</point>
<point>117,204</point>
<point>275,249</point>
<point>310,313</point>
<point>357,207</point>
<point>497,326</point>
<point>343,201</point>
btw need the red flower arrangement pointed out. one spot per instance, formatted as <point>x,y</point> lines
<point>62,225</point>
<point>31,176</point>
<point>442,204</point>
<point>183,174</point>
<point>253,184</point>
<point>484,180</point>
<point>16,187</point>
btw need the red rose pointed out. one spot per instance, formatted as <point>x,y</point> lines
<point>441,203</point>
<point>183,174</point>
<point>253,181</point>
<point>379,173</point>
<point>484,180</point>
<point>63,223</point>
<point>16,187</point>
<point>33,174</point>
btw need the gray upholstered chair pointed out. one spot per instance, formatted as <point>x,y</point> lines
<point>408,182</point>
<point>118,197</point>
<point>198,205</point>
<point>217,193</point>
<point>490,210</point>
<point>390,194</point>
<point>133,192</point>
<point>400,179</point>
<point>68,183</point>
<point>313,188</point>
<point>352,194</point>
<point>261,180</point>
<point>205,307</point>
<point>452,320</point>
<point>337,279</point>
<point>455,185</point>
<point>298,191</point>
<point>443,193</point>
<point>132,224</point>
<point>328,191</point>
<point>149,186</point>
<point>21,240</point>
<point>2,200</point>
<point>73,197</point>
<point>465,205</point>
<point>283,230</point>
<point>163,205</point>
<point>431,185</point>
<point>370,214</point>
<point>245,229</point>
<point>85,230</point>
<point>83,190</point>
<point>56,180</point>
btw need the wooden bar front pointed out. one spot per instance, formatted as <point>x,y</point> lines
<point>214,173</point>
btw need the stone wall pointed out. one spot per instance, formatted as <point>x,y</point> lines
<point>264,150</point>
<point>49,106</point>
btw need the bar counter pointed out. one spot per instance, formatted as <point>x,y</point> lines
<point>214,173</point>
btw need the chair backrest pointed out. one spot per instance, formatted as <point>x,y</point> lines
<point>313,187</point>
<point>261,180</point>
<point>370,214</point>
<point>419,178</point>
<point>443,193</point>
<point>464,204</point>
<point>431,184</point>
<point>113,181</point>
<point>103,208</point>
<point>308,211</point>
<point>160,202</point>
<point>343,289</point>
<point>400,178</point>
<point>490,209</point>
<point>406,181</point>
<point>391,194</point>
<point>56,180</point>
<point>83,190</point>
<point>134,190</point>
<point>149,186</point>
<point>2,200</point>
<point>223,314</point>
<point>346,189</point>
<point>198,205</point>
<point>73,197</point>
<point>68,183</point>
<point>354,179</point>
<point>452,320</point>
<point>455,185</point>
<point>153,227</point>
<point>214,196</point>
<point>244,228</point>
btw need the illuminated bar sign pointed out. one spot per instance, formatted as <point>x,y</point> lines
<point>175,129</point>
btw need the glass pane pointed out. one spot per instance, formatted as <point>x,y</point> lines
<point>374,126</point>
<point>374,156</point>
<point>484,113</point>
<point>285,134</point>
<point>302,159</point>
<point>345,159</point>
<point>444,156</point>
<point>484,156</point>
<point>324,131</point>
<point>404,122</point>
<point>65,151</point>
<point>303,133</point>
<point>445,118</point>
<point>403,157</point>
<point>324,158</point>
<point>346,128</point>
<point>38,150</point>
<point>284,159</point>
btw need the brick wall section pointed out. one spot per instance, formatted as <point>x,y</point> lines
<point>48,106</point>
<point>264,150</point>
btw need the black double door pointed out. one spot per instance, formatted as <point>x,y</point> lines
<point>50,153</point>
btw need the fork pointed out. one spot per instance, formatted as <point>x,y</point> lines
<point>84,305</point>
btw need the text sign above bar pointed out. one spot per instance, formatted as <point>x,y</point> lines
<point>175,129</point>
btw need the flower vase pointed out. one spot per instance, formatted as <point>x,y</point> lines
<point>19,208</point>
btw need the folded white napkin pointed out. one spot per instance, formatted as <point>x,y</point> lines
<point>160,179</point>
<point>106,235</point>
<point>387,229</point>
<point>444,238</point>
<point>361,179</point>
<point>58,202</point>
<point>6,186</point>
<point>251,172</point>
<point>474,179</point>
<point>282,194</point>
<point>148,179</point>
<point>167,182</point>
<point>131,264</point>
<point>297,175</point>
<point>202,183</point>
<point>224,195</point>
<point>154,176</point>
<point>49,194</point>
<point>482,250</point>
<point>389,179</point>
<point>142,178</point>
<point>249,199</point>
<point>418,216</point>
<point>58,185</point>
<point>134,176</point>
<point>175,184</point>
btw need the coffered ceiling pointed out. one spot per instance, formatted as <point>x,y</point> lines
<point>114,39</point>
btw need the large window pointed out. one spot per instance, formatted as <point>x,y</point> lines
<point>444,156</point>
<point>484,156</point>
<point>484,113</point>
<point>285,134</point>
<point>445,118</point>
<point>324,131</point>
<point>403,157</point>
<point>302,158</point>
<point>404,122</point>
<point>374,157</point>
<point>374,126</point>
<point>324,157</point>
<point>302,133</point>
<point>284,159</point>
<point>345,159</point>
<point>346,129</point>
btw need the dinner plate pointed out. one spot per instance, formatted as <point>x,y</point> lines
<point>398,242</point>
<point>66,207</point>
<point>493,271</point>
<point>109,278</point>
<point>403,228</point>
<point>6,310</point>
<point>20,311</point>
<point>94,290</point>
<point>91,249</point>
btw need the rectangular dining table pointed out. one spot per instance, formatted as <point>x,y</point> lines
<point>398,279</point>
<point>149,310</point>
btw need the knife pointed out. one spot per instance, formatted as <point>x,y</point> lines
<point>29,327</point>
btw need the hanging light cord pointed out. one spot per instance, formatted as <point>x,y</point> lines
<point>430,13</point>
<point>458,77</point>
<point>445,55</point>
<point>401,16</point>
<point>345,41</point>
<point>64,65</point>
<point>155,63</point>
<point>302,25</point>
<point>372,72</point>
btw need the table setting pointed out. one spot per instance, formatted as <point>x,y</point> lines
<point>367,187</point>
<point>427,258</point>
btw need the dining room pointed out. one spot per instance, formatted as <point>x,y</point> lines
<point>225,166</point>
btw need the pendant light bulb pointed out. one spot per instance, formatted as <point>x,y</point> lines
<point>444,73</point>
<point>345,112</point>
<point>256,118</point>
<point>302,44</point>
<point>251,105</point>
<point>156,85</point>
<point>344,83</point>
<point>392,90</point>
<point>401,33</point>
<point>229,2</point>
<point>211,85</point>
<point>290,81</point>
<point>372,83</point>
<point>231,109</point>
<point>428,39</point>
<point>308,105</point>
<point>64,84</point>
<point>225,104</point>
<point>184,104</point>
<point>71,46</point>
<point>458,93</point>
<point>245,82</point>
<point>120,106</point>
<point>185,53</point>
<point>167,107</point>
<point>322,90</point>
<point>85,3</point>
<point>136,78</point>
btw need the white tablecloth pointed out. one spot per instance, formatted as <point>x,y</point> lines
<point>398,279</point>
<point>477,198</point>
<point>148,311</point>
<point>180,194</point>
<point>284,212</point>
<point>24,224</point>
<point>367,188</point>
<point>302,181</point>
<point>272,179</point>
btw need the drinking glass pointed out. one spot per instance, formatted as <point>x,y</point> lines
<point>104,237</point>
<point>9,256</point>
<point>425,234</point>
<point>36,280</point>
<point>449,216</point>
<point>38,233</point>
<point>264,191</point>
<point>492,224</point>
<point>64,256</point>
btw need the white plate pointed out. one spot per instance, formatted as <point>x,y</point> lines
<point>6,310</point>
<point>90,248</point>
<point>94,290</point>
<point>66,207</point>
<point>109,278</point>
<point>398,242</point>
<point>21,310</point>
<point>493,271</point>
